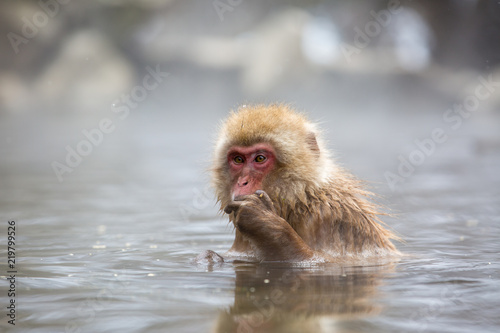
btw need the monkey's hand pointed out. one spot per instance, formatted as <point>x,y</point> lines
<point>209,258</point>
<point>273,239</point>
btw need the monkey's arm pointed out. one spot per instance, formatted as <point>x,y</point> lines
<point>272,238</point>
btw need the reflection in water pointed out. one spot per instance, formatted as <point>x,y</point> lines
<point>281,298</point>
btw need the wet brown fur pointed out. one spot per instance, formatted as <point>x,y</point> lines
<point>324,204</point>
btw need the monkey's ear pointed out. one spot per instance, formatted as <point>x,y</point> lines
<point>312,143</point>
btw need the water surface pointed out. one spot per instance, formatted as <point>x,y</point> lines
<point>109,248</point>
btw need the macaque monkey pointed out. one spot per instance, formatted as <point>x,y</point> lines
<point>286,198</point>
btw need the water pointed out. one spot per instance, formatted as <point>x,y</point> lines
<point>109,248</point>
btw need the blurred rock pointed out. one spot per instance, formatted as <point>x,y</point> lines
<point>86,75</point>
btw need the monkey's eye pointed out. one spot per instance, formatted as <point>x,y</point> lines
<point>238,159</point>
<point>260,158</point>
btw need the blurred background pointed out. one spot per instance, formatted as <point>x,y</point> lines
<point>67,57</point>
<point>108,111</point>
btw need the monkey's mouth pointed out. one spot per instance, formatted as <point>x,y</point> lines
<point>240,194</point>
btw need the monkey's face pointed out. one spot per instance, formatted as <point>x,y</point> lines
<point>248,167</point>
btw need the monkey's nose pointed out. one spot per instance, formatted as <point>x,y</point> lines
<point>243,182</point>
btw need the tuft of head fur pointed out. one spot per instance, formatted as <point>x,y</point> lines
<point>305,185</point>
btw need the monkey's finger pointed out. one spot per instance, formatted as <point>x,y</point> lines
<point>232,207</point>
<point>265,199</point>
<point>235,204</point>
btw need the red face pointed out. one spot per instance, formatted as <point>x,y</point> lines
<point>249,166</point>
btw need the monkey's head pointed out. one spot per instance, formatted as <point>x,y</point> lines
<point>270,148</point>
